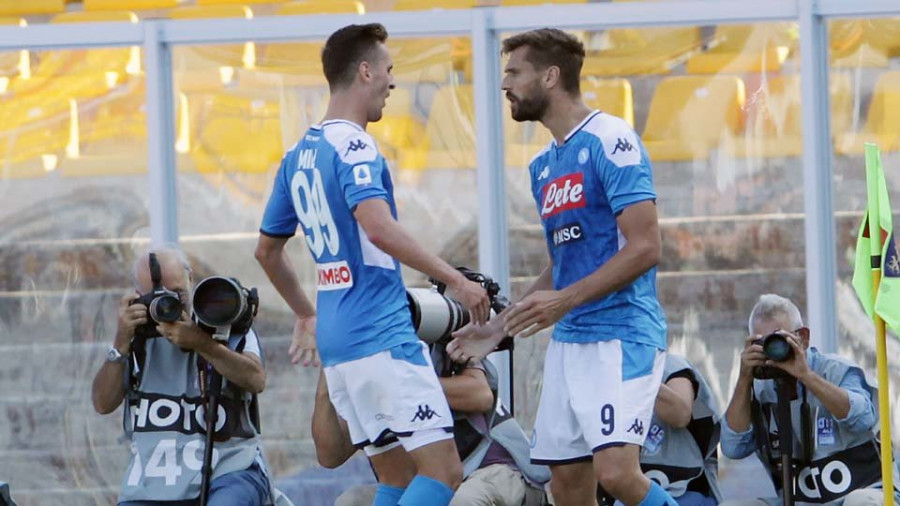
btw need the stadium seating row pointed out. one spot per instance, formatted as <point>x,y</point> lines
<point>100,124</point>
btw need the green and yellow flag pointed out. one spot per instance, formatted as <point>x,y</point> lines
<point>878,251</point>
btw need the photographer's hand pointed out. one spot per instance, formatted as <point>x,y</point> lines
<point>751,357</point>
<point>303,345</point>
<point>796,366</point>
<point>474,342</point>
<point>185,334</point>
<point>130,318</point>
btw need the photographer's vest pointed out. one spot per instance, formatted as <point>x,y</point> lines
<point>164,419</point>
<point>842,461</point>
<point>472,442</point>
<point>685,459</point>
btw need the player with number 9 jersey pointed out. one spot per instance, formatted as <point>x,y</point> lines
<point>334,167</point>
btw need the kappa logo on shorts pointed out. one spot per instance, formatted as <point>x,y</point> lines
<point>424,413</point>
<point>637,427</point>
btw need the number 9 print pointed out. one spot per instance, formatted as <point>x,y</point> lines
<point>313,211</point>
<point>164,462</point>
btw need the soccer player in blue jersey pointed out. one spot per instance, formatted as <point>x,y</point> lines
<point>336,186</point>
<point>594,192</point>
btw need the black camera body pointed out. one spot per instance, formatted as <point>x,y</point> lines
<point>162,305</point>
<point>777,349</point>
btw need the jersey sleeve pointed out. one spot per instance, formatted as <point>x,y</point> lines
<point>360,169</point>
<point>280,217</point>
<point>623,168</point>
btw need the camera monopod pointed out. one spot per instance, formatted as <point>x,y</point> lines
<point>211,382</point>
<point>784,388</point>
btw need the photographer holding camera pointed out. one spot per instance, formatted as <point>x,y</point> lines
<point>156,365</point>
<point>835,437</point>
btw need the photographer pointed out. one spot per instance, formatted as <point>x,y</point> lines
<point>680,450</point>
<point>154,368</point>
<point>843,464</point>
<point>496,465</point>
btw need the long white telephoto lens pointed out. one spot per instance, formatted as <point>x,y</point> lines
<point>435,316</point>
<point>219,302</point>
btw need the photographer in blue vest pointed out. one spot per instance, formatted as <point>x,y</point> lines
<point>153,368</point>
<point>680,450</point>
<point>840,461</point>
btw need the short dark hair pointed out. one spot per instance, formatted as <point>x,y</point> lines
<point>551,46</point>
<point>346,48</point>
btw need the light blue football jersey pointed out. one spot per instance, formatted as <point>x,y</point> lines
<point>580,188</point>
<point>361,304</point>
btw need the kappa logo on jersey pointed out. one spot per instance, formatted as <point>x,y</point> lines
<point>334,276</point>
<point>570,232</point>
<point>355,146</point>
<point>622,145</point>
<point>637,427</point>
<point>362,174</point>
<point>544,173</point>
<point>424,413</point>
<point>562,194</point>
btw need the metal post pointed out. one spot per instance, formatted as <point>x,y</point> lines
<point>160,137</point>
<point>493,233</point>
<point>821,266</point>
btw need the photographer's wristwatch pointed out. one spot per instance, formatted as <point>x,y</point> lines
<point>114,356</point>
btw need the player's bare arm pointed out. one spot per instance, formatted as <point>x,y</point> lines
<point>374,215</point>
<point>273,258</point>
<point>640,227</point>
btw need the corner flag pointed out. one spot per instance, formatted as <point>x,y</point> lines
<point>880,252</point>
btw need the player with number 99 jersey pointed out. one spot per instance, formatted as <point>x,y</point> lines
<point>361,300</point>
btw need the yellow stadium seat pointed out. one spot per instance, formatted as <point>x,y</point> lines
<point>689,115</point>
<point>612,96</point>
<point>112,135</point>
<point>31,7</point>
<point>224,128</point>
<point>424,5</point>
<point>300,61</point>
<point>882,121</point>
<point>450,130</point>
<point>399,131</point>
<point>644,51</point>
<point>774,116</point>
<point>863,42</point>
<point>422,60</point>
<point>761,47</point>
<point>304,8</point>
<point>206,57</point>
<point>114,5</point>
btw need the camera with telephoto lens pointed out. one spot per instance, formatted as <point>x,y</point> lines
<point>222,306</point>
<point>777,349</point>
<point>162,305</point>
<point>436,316</point>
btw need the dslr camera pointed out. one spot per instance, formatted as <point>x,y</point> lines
<point>222,306</point>
<point>777,349</point>
<point>162,305</point>
<point>436,316</point>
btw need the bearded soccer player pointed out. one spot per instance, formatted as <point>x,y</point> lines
<point>594,192</point>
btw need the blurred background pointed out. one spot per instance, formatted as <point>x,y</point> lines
<point>718,107</point>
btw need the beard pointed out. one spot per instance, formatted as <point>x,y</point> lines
<point>530,108</point>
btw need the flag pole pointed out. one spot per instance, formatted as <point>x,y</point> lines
<point>873,160</point>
